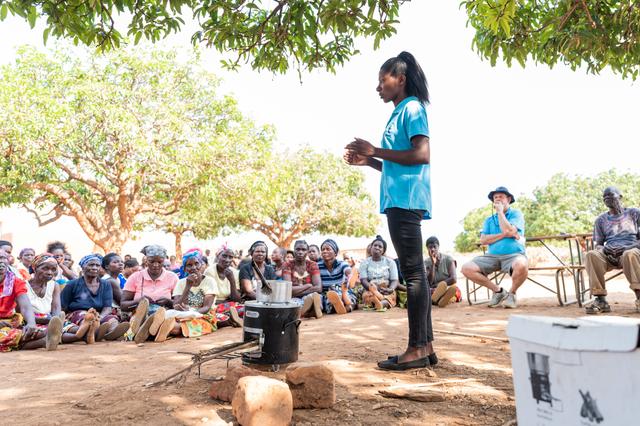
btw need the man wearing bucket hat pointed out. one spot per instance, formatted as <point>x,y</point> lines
<point>503,232</point>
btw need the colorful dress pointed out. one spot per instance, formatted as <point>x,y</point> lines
<point>12,322</point>
<point>222,291</point>
<point>206,324</point>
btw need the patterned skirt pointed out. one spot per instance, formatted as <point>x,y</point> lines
<point>76,317</point>
<point>223,309</point>
<point>10,333</point>
<point>197,327</point>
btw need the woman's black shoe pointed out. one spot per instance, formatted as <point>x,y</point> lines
<point>391,364</point>
<point>433,359</point>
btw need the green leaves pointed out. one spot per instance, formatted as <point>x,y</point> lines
<point>594,33</point>
<point>304,34</point>
<point>120,138</point>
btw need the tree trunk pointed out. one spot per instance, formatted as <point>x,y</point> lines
<point>178,246</point>
<point>286,241</point>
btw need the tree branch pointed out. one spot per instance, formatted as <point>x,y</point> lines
<point>58,214</point>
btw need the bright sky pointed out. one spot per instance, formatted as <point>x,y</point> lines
<point>489,126</point>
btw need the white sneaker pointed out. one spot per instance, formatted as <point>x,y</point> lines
<point>510,301</point>
<point>497,298</point>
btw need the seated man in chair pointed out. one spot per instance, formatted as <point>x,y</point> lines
<point>503,232</point>
<point>616,237</point>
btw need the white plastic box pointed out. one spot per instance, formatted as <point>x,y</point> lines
<point>575,371</point>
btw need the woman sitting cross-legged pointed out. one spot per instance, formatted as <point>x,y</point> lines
<point>336,295</point>
<point>379,277</point>
<point>44,294</point>
<point>88,299</point>
<point>229,309</point>
<point>148,292</point>
<point>193,296</point>
<point>19,330</point>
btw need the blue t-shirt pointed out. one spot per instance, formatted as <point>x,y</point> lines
<point>77,297</point>
<point>334,278</point>
<point>505,245</point>
<point>405,187</point>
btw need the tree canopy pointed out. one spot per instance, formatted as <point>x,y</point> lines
<point>292,194</point>
<point>113,140</point>
<point>591,33</point>
<point>271,35</point>
<point>565,204</point>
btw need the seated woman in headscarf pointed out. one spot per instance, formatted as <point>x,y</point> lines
<point>249,280</point>
<point>44,295</point>
<point>25,257</point>
<point>113,266</point>
<point>193,296</point>
<point>336,295</point>
<point>19,330</point>
<point>379,277</point>
<point>229,309</point>
<point>148,292</point>
<point>89,299</point>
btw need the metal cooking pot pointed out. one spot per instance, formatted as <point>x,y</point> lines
<point>280,292</point>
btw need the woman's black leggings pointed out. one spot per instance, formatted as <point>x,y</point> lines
<point>406,235</point>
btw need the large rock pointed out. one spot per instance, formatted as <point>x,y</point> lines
<point>312,385</point>
<point>224,389</point>
<point>261,401</point>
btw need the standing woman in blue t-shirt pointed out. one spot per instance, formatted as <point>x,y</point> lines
<point>405,194</point>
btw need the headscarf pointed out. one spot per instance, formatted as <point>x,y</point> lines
<point>224,247</point>
<point>384,243</point>
<point>41,259</point>
<point>193,253</point>
<point>331,243</point>
<point>89,257</point>
<point>154,250</point>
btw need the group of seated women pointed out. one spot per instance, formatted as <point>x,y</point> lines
<point>154,303</point>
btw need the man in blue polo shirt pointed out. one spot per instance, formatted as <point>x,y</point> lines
<point>503,232</point>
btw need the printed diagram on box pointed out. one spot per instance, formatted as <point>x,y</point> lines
<point>589,408</point>
<point>540,384</point>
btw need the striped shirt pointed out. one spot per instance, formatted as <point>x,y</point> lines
<point>336,277</point>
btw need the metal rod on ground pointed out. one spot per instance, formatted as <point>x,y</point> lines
<point>477,336</point>
<point>205,356</point>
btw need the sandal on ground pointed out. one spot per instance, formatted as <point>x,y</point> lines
<point>394,365</point>
<point>336,302</point>
<point>165,329</point>
<point>143,332</point>
<point>54,333</point>
<point>117,332</point>
<point>448,295</point>
<point>140,314</point>
<point>103,329</point>
<point>158,319</point>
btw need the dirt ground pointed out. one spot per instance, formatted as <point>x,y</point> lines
<point>105,382</point>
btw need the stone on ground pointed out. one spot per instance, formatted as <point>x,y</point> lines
<point>223,390</point>
<point>262,401</point>
<point>312,385</point>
